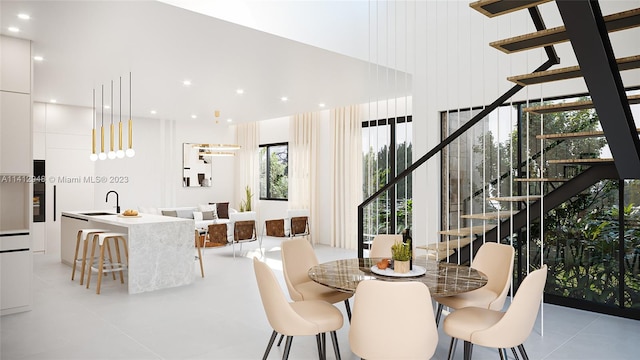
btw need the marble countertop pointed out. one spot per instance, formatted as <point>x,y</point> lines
<point>121,220</point>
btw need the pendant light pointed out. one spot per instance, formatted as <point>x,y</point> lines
<point>120,152</point>
<point>130,152</point>
<point>112,154</point>
<point>102,154</point>
<point>93,156</point>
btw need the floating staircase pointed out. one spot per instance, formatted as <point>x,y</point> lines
<point>593,169</point>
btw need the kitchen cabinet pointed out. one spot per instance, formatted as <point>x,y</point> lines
<point>15,133</point>
<point>15,65</point>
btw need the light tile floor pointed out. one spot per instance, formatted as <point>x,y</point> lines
<point>221,317</point>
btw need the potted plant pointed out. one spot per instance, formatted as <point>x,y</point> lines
<point>401,254</point>
<point>245,205</point>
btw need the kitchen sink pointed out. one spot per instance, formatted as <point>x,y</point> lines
<point>97,213</point>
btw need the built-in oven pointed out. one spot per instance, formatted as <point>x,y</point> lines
<point>39,188</point>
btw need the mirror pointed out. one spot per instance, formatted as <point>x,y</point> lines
<point>196,167</point>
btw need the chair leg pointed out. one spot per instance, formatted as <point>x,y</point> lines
<point>348,307</point>
<point>75,257</point>
<point>515,353</point>
<point>438,314</point>
<point>93,253</point>
<point>503,354</point>
<point>119,259</point>
<point>319,344</point>
<point>106,243</point>
<point>522,352</point>
<point>336,348</point>
<point>468,349</point>
<point>323,338</point>
<point>84,258</point>
<point>287,348</point>
<point>452,348</point>
<point>271,340</point>
<point>280,341</point>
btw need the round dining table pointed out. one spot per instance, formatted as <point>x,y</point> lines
<point>442,278</point>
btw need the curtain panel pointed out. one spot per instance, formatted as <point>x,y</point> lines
<point>346,150</point>
<point>303,160</point>
<point>247,169</point>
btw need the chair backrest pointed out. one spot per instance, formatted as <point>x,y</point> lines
<point>381,245</point>
<point>517,322</point>
<point>274,227</point>
<point>299,226</point>
<point>244,230</point>
<point>281,316</point>
<point>496,261</point>
<point>392,320</point>
<point>295,213</point>
<point>297,258</point>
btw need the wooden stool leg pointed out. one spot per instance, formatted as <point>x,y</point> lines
<point>85,245</point>
<point>116,239</point>
<point>75,257</point>
<point>106,243</point>
<point>101,264</point>
<point>200,255</point>
<point>93,253</point>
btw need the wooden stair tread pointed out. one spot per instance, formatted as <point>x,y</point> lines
<point>614,22</point>
<point>582,161</point>
<point>569,106</point>
<point>444,245</point>
<point>541,179</point>
<point>571,72</point>
<point>516,198</point>
<point>492,8</point>
<point>466,231</point>
<point>490,215</point>
<point>573,135</point>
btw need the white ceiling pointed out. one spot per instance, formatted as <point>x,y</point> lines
<point>86,44</point>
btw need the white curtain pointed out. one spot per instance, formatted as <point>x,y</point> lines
<point>303,160</point>
<point>346,175</point>
<point>247,168</point>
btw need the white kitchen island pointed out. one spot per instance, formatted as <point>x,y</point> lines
<point>161,248</point>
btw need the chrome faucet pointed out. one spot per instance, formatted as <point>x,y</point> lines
<point>117,200</point>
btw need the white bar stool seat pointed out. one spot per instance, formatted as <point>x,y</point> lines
<point>83,237</point>
<point>102,240</point>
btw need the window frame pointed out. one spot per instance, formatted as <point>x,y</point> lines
<point>268,166</point>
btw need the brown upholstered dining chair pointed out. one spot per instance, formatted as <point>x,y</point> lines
<point>299,318</point>
<point>497,329</point>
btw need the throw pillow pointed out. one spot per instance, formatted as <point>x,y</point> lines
<point>223,210</point>
<point>208,215</point>
<point>197,215</point>
<point>170,213</point>
<point>211,208</point>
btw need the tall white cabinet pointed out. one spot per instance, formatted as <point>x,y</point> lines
<point>16,170</point>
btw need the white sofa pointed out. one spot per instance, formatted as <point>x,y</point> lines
<point>195,213</point>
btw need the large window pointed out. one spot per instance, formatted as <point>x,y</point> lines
<point>386,151</point>
<point>274,171</point>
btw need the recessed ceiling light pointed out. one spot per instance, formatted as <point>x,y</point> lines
<point>240,91</point>
<point>284,98</point>
<point>194,116</point>
<point>321,105</point>
<point>229,120</point>
<point>153,112</point>
<point>24,16</point>
<point>186,82</point>
<point>38,58</point>
<point>53,101</point>
<point>13,29</point>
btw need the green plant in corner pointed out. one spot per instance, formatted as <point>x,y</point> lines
<point>245,205</point>
<point>401,251</point>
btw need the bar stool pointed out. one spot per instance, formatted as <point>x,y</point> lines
<point>102,240</point>
<point>83,236</point>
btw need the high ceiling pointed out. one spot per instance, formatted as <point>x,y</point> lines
<point>86,44</point>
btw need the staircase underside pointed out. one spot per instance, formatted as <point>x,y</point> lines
<point>553,199</point>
